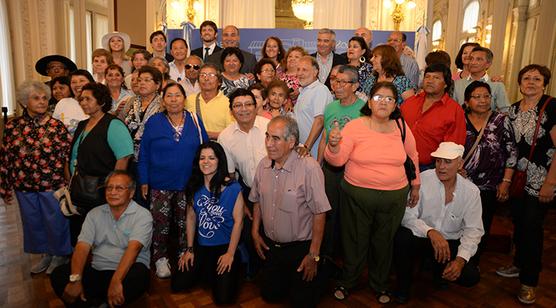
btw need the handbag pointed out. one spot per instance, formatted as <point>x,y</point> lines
<point>64,199</point>
<point>86,192</point>
<point>519,179</point>
<point>409,166</point>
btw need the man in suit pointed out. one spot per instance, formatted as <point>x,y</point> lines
<point>209,32</point>
<point>325,55</point>
<point>230,38</point>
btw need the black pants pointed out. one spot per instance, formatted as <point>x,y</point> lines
<point>224,287</point>
<point>407,248</point>
<point>528,218</point>
<point>333,176</point>
<point>280,276</point>
<point>253,262</point>
<point>96,283</point>
<point>489,205</point>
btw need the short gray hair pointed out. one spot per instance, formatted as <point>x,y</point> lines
<point>121,172</point>
<point>194,56</point>
<point>311,60</point>
<point>327,31</point>
<point>290,128</point>
<point>29,86</point>
<point>351,71</point>
<point>164,61</point>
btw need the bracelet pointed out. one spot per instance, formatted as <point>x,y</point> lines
<point>189,249</point>
<point>507,180</point>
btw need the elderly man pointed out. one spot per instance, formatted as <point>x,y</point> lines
<point>325,55</point>
<point>309,109</point>
<point>191,81</point>
<point>288,192</point>
<point>118,235</point>
<point>446,224</point>
<point>158,44</point>
<point>230,38</point>
<point>211,105</point>
<point>480,61</point>
<point>398,40</point>
<point>433,116</point>
<point>55,66</point>
<point>345,108</point>
<point>209,32</point>
<point>178,48</point>
<point>366,34</point>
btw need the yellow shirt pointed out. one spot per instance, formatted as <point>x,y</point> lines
<point>215,114</point>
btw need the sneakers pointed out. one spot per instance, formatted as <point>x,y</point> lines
<point>42,265</point>
<point>509,271</point>
<point>56,261</point>
<point>527,295</point>
<point>163,268</point>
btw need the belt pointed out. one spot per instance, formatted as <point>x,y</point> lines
<point>287,244</point>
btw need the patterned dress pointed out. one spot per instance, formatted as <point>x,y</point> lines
<point>136,119</point>
<point>229,86</point>
<point>524,123</point>
<point>495,152</point>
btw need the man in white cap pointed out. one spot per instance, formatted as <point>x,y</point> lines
<point>446,225</point>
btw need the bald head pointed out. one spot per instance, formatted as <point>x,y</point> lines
<point>365,33</point>
<point>230,36</point>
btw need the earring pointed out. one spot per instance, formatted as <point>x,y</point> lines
<point>362,60</point>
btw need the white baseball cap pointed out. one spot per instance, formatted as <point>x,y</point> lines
<point>448,150</point>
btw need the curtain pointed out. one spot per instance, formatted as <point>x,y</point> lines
<point>241,13</point>
<point>345,14</point>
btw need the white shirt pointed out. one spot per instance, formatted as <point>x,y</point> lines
<point>210,47</point>
<point>311,103</point>
<point>70,113</point>
<point>457,220</point>
<point>325,65</point>
<point>244,150</point>
<point>190,89</point>
<point>175,74</point>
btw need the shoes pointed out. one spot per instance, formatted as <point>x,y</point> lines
<point>340,293</point>
<point>163,268</point>
<point>527,295</point>
<point>56,261</point>
<point>42,265</point>
<point>509,271</point>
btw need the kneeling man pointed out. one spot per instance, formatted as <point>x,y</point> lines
<point>445,225</point>
<point>118,235</point>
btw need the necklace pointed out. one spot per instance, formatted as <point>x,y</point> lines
<point>178,128</point>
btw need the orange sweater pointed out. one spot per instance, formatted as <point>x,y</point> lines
<point>374,160</point>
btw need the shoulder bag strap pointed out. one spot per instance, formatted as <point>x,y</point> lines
<point>537,128</point>
<point>474,147</point>
<point>196,122</point>
<point>198,105</point>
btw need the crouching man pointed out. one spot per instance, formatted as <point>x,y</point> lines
<point>118,235</point>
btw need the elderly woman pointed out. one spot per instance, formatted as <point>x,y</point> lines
<point>289,76</point>
<point>118,43</point>
<point>273,49</point>
<point>490,153</point>
<point>101,60</point>
<point>170,141</point>
<point>214,222</point>
<point>232,61</point>
<point>101,144</point>
<point>387,67</point>
<point>68,109</point>
<point>139,58</point>
<point>277,92</point>
<point>265,71</point>
<point>537,152</point>
<point>33,152</point>
<point>162,65</point>
<point>115,82</point>
<point>60,88</point>
<point>462,60</point>
<point>375,186</point>
<point>359,56</point>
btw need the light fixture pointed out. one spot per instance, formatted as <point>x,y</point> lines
<point>303,9</point>
<point>398,11</point>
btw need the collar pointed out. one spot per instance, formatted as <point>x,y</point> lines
<point>288,165</point>
<point>330,56</point>
<point>443,100</point>
<point>211,46</point>
<point>310,86</point>
<point>485,78</point>
<point>258,124</point>
<point>131,209</point>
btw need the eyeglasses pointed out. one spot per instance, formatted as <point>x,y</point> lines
<point>194,66</point>
<point>486,96</point>
<point>117,188</point>
<point>381,98</point>
<point>244,105</point>
<point>340,82</point>
<point>207,75</point>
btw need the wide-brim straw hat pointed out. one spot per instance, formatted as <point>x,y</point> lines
<point>124,36</point>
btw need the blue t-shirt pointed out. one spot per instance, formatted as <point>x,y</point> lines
<point>215,219</point>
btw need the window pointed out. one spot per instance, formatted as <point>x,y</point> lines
<point>6,82</point>
<point>437,30</point>
<point>471,16</point>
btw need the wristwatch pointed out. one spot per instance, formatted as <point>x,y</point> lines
<point>75,278</point>
<point>189,249</point>
<point>315,256</point>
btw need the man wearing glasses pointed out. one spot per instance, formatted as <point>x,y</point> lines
<point>55,66</point>
<point>211,105</point>
<point>118,235</point>
<point>191,81</point>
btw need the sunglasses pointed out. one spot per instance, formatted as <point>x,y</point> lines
<point>195,67</point>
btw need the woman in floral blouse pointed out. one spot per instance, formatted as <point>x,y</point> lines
<point>490,164</point>
<point>33,153</point>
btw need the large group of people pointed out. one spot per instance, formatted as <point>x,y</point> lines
<point>278,169</point>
